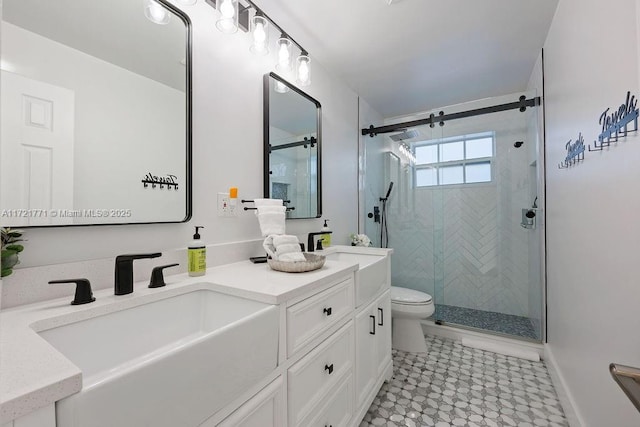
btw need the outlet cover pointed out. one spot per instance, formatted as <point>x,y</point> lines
<point>225,208</point>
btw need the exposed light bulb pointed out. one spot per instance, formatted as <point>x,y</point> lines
<point>228,22</point>
<point>156,13</point>
<point>260,33</point>
<point>283,55</point>
<point>226,9</point>
<point>304,69</point>
<point>280,87</point>
<point>259,36</point>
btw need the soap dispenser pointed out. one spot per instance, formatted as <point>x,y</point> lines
<point>326,238</point>
<point>197,255</point>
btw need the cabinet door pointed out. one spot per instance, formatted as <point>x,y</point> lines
<point>383,332</point>
<point>265,409</point>
<point>366,359</point>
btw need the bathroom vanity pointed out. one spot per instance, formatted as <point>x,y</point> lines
<point>280,349</point>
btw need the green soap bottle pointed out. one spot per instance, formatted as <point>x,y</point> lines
<point>197,255</point>
<point>326,238</point>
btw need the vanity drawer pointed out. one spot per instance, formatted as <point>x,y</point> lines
<point>316,374</point>
<point>310,317</point>
<point>335,409</point>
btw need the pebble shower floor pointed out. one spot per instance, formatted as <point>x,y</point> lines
<point>452,385</point>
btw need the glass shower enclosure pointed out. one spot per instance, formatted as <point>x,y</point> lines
<point>465,214</point>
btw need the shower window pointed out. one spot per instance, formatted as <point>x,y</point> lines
<point>465,159</point>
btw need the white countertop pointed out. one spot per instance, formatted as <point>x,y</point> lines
<point>34,374</point>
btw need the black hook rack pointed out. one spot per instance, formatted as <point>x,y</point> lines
<point>162,181</point>
<point>575,153</point>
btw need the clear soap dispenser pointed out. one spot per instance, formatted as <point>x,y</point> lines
<point>197,255</point>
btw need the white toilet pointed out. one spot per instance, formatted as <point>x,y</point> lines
<point>408,307</point>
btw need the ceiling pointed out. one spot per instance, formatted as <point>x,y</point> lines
<point>415,55</point>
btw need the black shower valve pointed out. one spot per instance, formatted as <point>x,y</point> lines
<point>375,214</point>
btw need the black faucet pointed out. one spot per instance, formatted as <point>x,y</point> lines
<point>310,240</point>
<point>124,271</point>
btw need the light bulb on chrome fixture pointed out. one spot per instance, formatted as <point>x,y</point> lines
<point>228,22</point>
<point>284,54</point>
<point>260,32</point>
<point>156,13</point>
<point>280,87</point>
<point>304,69</point>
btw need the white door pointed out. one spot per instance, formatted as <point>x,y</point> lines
<point>36,150</point>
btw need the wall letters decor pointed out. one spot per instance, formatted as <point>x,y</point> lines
<point>616,124</point>
<point>575,152</point>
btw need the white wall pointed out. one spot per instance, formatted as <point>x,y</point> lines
<point>117,141</point>
<point>227,151</point>
<point>591,61</point>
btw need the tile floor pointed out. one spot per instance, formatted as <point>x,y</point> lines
<point>487,320</point>
<point>452,385</point>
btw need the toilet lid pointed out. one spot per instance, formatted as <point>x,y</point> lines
<point>408,296</point>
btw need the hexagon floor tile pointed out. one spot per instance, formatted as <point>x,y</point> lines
<point>452,385</point>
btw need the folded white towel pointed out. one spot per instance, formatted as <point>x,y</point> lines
<point>268,247</point>
<point>285,239</point>
<point>283,248</point>
<point>267,202</point>
<point>271,219</point>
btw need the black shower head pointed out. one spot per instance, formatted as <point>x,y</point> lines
<point>518,144</point>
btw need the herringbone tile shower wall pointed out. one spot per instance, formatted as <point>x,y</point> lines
<point>464,244</point>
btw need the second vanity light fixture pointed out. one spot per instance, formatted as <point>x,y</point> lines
<point>234,15</point>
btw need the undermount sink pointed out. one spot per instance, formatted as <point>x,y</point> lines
<point>363,260</point>
<point>373,269</point>
<point>170,362</point>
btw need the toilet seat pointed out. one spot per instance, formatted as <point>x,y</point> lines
<point>404,296</point>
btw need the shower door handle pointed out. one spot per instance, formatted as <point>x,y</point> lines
<point>373,324</point>
<point>381,313</point>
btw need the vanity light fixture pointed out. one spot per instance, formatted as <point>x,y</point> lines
<point>156,13</point>
<point>284,54</point>
<point>303,73</point>
<point>228,21</point>
<point>236,14</point>
<point>260,33</point>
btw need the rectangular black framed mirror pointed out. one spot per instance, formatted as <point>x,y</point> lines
<point>96,113</point>
<point>292,148</point>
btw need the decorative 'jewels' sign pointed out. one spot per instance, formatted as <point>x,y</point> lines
<point>169,181</point>
<point>575,152</point>
<point>616,124</point>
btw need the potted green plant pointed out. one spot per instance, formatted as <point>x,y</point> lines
<point>10,249</point>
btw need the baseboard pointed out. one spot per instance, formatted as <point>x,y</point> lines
<point>457,334</point>
<point>564,394</point>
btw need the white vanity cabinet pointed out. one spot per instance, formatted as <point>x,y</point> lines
<point>265,409</point>
<point>373,348</point>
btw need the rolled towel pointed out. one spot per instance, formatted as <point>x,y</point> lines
<point>268,247</point>
<point>271,219</point>
<point>284,239</point>
<point>287,248</point>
